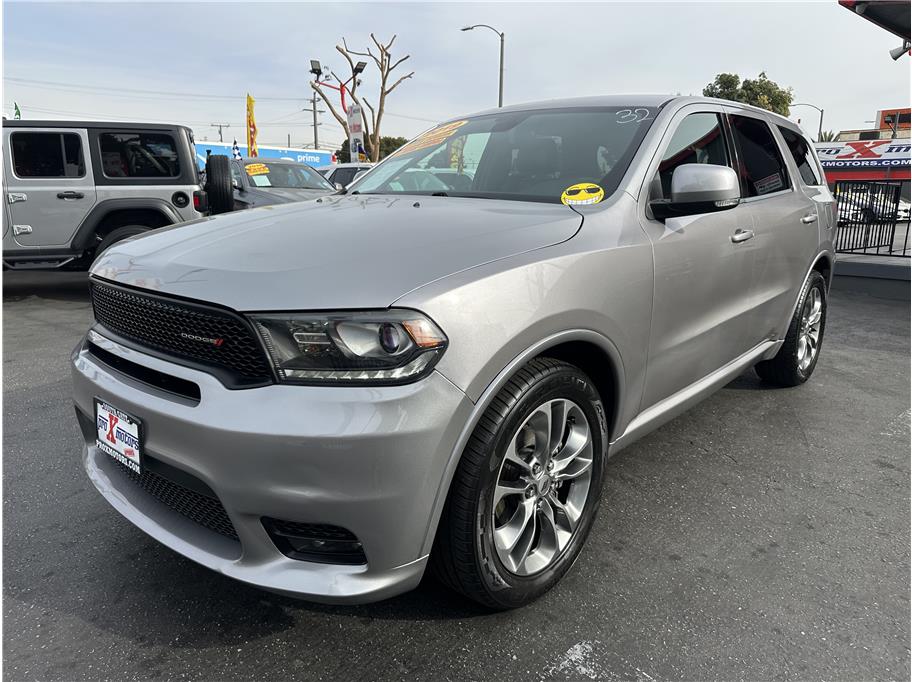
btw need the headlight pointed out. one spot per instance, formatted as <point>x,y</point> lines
<point>381,347</point>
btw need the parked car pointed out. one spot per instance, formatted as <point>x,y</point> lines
<point>436,378</point>
<point>902,213</point>
<point>343,174</point>
<point>253,182</point>
<point>75,188</point>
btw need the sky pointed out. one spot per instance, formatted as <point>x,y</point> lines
<point>192,63</point>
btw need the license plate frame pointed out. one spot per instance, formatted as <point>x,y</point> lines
<point>122,440</point>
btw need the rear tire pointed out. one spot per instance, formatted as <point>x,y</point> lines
<point>120,234</point>
<point>797,358</point>
<point>219,186</point>
<point>547,521</point>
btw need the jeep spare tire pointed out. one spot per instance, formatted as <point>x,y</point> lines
<point>218,184</point>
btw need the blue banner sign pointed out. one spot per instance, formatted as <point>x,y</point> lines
<point>312,157</point>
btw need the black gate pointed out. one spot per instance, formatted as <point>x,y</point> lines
<point>867,219</point>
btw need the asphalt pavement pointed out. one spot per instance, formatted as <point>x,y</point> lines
<point>762,535</point>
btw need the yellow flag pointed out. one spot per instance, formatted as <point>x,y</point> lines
<point>251,128</point>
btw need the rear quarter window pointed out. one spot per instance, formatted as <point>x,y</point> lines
<point>804,155</point>
<point>139,155</point>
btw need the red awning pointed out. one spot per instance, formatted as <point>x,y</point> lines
<point>891,15</point>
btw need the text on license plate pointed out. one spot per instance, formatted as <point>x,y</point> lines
<point>118,434</point>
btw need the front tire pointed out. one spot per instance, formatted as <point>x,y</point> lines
<point>526,491</point>
<point>797,358</point>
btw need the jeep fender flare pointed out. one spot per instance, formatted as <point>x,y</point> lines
<point>86,230</point>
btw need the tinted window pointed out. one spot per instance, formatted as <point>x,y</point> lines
<point>804,155</point>
<point>760,165</point>
<point>47,155</point>
<point>138,155</point>
<point>517,155</point>
<point>698,139</point>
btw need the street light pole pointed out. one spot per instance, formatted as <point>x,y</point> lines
<point>500,34</point>
<point>813,106</point>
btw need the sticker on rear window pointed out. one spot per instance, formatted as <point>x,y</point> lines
<point>582,193</point>
<point>256,169</point>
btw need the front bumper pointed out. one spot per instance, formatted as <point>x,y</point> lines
<point>371,460</point>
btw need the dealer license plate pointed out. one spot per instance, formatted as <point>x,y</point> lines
<point>119,434</point>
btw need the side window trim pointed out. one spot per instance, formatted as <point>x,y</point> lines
<point>814,162</point>
<point>737,111</point>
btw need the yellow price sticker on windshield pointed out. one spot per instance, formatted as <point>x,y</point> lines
<point>432,137</point>
<point>257,169</point>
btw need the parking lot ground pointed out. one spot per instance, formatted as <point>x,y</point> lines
<point>764,534</point>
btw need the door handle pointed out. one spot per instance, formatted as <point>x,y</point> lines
<point>809,218</point>
<point>13,197</point>
<point>70,195</point>
<point>742,236</point>
<point>22,229</point>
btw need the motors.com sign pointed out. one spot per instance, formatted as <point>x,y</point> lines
<point>864,154</point>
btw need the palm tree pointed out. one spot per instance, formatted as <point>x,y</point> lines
<point>828,136</point>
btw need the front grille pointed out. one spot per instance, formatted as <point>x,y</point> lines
<point>166,324</point>
<point>204,509</point>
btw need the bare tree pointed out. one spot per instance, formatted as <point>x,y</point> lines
<point>385,63</point>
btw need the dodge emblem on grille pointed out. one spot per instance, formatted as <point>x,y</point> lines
<point>202,339</point>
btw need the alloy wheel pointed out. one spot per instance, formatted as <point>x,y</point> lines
<point>809,329</point>
<point>542,487</point>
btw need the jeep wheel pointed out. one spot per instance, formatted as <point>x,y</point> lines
<point>120,234</point>
<point>525,493</point>
<point>219,186</point>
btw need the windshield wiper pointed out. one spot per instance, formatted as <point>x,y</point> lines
<point>439,194</point>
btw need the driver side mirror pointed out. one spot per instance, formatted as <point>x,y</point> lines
<point>699,188</point>
<point>236,185</point>
<point>339,185</point>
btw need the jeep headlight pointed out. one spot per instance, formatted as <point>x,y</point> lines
<point>380,347</point>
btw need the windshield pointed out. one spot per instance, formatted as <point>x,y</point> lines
<point>285,176</point>
<point>525,155</point>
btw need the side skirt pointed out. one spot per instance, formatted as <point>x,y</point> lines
<point>665,410</point>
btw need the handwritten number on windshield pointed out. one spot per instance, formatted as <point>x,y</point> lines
<point>633,115</point>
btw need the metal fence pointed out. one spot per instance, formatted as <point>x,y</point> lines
<point>869,219</point>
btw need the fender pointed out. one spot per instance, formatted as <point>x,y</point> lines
<point>86,230</point>
<point>494,388</point>
<point>807,274</point>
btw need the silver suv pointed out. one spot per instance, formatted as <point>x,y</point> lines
<point>73,188</point>
<point>432,369</point>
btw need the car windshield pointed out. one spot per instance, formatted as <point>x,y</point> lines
<point>285,176</point>
<point>522,155</point>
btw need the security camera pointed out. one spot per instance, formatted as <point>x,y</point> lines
<point>898,52</point>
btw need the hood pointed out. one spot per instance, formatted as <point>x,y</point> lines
<point>339,252</point>
<point>263,196</point>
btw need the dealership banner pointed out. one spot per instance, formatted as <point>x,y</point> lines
<point>312,157</point>
<point>864,154</point>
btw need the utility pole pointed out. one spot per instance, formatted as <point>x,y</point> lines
<point>220,126</point>
<point>313,104</point>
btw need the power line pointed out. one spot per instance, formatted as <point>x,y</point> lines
<point>165,94</point>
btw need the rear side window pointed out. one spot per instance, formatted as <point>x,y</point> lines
<point>804,155</point>
<point>47,155</point>
<point>139,155</point>
<point>698,139</point>
<point>760,164</point>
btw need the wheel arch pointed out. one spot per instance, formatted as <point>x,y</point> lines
<point>593,353</point>
<point>824,265</point>
<point>110,214</point>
